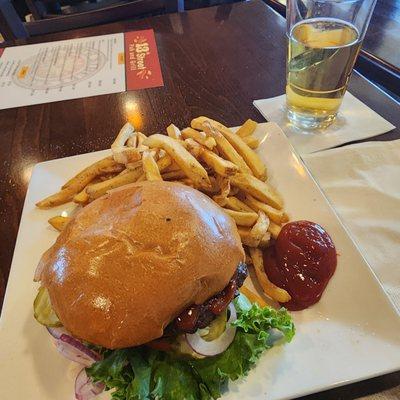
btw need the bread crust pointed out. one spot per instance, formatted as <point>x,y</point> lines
<point>128,263</point>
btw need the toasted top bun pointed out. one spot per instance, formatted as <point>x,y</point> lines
<point>131,261</point>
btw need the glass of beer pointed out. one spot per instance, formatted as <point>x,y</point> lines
<point>324,38</point>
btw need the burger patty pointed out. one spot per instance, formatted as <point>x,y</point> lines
<point>199,316</point>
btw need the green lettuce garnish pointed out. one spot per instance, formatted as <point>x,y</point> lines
<point>141,373</point>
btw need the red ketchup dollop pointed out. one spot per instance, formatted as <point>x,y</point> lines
<point>302,261</point>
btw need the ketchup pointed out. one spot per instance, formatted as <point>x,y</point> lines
<point>301,262</point>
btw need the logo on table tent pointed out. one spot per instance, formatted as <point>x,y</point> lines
<point>139,50</point>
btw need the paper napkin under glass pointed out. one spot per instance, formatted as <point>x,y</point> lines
<point>355,121</point>
<point>362,182</point>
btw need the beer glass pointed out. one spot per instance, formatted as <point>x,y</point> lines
<point>324,38</point>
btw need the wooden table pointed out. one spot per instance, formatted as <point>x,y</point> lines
<point>215,62</point>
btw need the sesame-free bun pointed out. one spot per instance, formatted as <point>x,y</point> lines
<point>131,261</point>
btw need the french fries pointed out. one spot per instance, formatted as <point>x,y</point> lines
<point>260,228</point>
<point>248,238</point>
<point>59,222</point>
<point>243,218</point>
<point>192,168</point>
<point>199,137</point>
<point>245,157</point>
<point>253,297</point>
<point>277,216</point>
<point>235,204</point>
<point>251,141</point>
<point>198,123</point>
<point>247,128</point>
<point>224,185</point>
<point>122,153</point>
<point>274,229</point>
<point>106,165</point>
<point>271,290</point>
<point>226,148</point>
<point>174,132</point>
<point>249,156</point>
<point>164,162</point>
<point>82,197</point>
<point>174,175</point>
<point>218,164</point>
<point>99,189</point>
<point>259,189</point>
<point>150,167</point>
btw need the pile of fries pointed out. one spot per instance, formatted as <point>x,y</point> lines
<point>207,156</point>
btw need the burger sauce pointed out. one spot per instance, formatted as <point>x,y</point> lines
<point>302,261</point>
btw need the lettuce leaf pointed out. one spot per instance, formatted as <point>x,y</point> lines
<point>142,373</point>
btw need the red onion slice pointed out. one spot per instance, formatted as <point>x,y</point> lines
<point>57,332</point>
<point>85,388</point>
<point>75,350</point>
<point>217,346</point>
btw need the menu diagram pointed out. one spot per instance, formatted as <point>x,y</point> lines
<point>55,71</point>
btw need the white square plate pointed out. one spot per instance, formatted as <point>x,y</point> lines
<point>350,335</point>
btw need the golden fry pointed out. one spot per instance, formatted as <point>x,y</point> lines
<point>174,175</point>
<point>250,240</point>
<point>247,128</point>
<point>198,123</point>
<point>218,164</point>
<point>271,290</point>
<point>99,189</point>
<point>174,132</point>
<point>150,167</point>
<point>260,228</point>
<point>274,229</point>
<point>251,141</point>
<point>59,222</point>
<point>226,149</point>
<point>126,155</point>
<point>259,189</point>
<point>199,137</point>
<point>246,237</point>
<point>82,197</point>
<point>106,165</point>
<point>235,204</point>
<point>134,165</point>
<point>121,153</point>
<point>242,218</point>
<point>223,186</point>
<point>277,216</point>
<point>192,168</point>
<point>132,141</point>
<point>124,134</point>
<point>245,153</point>
<point>193,147</point>
<point>249,156</point>
<point>164,162</point>
<point>61,197</point>
<point>253,297</point>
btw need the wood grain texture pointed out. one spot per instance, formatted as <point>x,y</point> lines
<point>215,62</point>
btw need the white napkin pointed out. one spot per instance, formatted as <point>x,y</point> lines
<point>362,182</point>
<point>355,121</point>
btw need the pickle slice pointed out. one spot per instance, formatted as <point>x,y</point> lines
<point>43,311</point>
<point>216,328</point>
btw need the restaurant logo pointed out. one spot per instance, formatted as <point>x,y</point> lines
<point>138,51</point>
<point>142,64</point>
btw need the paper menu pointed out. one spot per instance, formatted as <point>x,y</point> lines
<point>70,69</point>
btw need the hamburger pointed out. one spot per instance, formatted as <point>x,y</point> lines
<point>152,269</point>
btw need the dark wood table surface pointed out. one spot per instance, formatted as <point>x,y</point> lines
<point>383,35</point>
<point>215,62</point>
